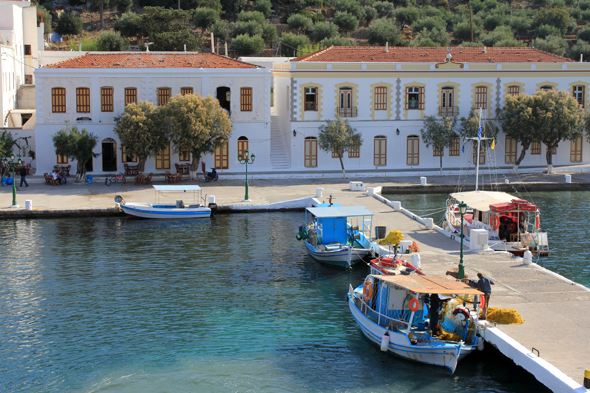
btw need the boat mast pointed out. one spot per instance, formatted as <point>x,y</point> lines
<point>478,142</point>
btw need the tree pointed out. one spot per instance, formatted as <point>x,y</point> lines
<point>129,25</point>
<point>346,22</point>
<point>352,7</point>
<point>205,18</point>
<point>195,124</point>
<point>557,16</point>
<point>245,45</point>
<point>100,4</point>
<point>221,30</point>
<point>6,143</point>
<point>385,30</point>
<point>263,6</point>
<point>386,9</point>
<point>581,48</point>
<point>250,28</point>
<point>43,13</point>
<point>112,42</point>
<point>76,145</point>
<point>429,23</point>
<point>323,30</point>
<point>469,127</point>
<point>561,119</point>
<point>138,132</point>
<point>248,16</point>
<point>431,38</point>
<point>175,40</point>
<point>406,16</point>
<point>290,43</point>
<point>552,44</point>
<point>339,137</point>
<point>439,133</point>
<point>336,41</point>
<point>370,14</point>
<point>269,32</point>
<point>299,22</point>
<point>69,24</point>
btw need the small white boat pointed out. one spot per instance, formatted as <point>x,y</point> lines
<point>337,235</point>
<point>391,312</point>
<point>179,209</point>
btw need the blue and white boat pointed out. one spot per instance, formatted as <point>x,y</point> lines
<point>337,235</point>
<point>162,209</point>
<point>391,312</point>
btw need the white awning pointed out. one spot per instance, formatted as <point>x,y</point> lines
<point>481,200</point>
<point>340,211</point>
<point>187,187</point>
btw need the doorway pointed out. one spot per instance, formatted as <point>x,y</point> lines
<point>224,98</point>
<point>109,155</point>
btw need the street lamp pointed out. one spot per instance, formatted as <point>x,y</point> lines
<point>12,166</point>
<point>462,210</point>
<point>245,161</point>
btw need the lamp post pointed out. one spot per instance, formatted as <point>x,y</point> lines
<point>462,210</point>
<point>244,160</point>
<point>12,166</point>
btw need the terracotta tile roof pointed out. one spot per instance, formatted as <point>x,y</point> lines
<point>152,60</point>
<point>402,54</point>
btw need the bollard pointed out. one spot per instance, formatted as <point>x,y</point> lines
<point>28,204</point>
<point>568,179</point>
<point>429,223</point>
<point>527,257</point>
<point>423,180</point>
<point>507,181</point>
<point>587,379</point>
<point>211,198</point>
<point>318,192</point>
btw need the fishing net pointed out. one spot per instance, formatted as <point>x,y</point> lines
<point>393,237</point>
<point>504,316</point>
<point>446,336</point>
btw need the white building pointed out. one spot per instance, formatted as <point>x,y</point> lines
<point>386,92</point>
<point>90,90</point>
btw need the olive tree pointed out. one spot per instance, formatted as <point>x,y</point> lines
<point>439,133</point>
<point>77,145</point>
<point>205,18</point>
<point>194,123</point>
<point>139,133</point>
<point>339,137</point>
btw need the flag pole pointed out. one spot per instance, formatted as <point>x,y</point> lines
<point>478,142</point>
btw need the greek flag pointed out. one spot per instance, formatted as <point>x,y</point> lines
<point>463,149</point>
<point>479,131</point>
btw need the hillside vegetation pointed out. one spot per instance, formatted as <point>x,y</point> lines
<point>296,27</point>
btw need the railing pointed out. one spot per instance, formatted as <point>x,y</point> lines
<point>365,308</point>
<point>311,106</point>
<point>347,112</point>
<point>448,111</point>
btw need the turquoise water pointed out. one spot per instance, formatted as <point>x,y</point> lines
<point>564,215</point>
<point>227,304</point>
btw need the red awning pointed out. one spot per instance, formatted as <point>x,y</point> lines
<point>514,205</point>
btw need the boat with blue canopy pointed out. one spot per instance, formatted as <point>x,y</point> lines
<point>337,235</point>
<point>162,209</point>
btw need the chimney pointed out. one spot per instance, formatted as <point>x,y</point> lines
<point>581,57</point>
<point>212,44</point>
<point>485,50</point>
<point>185,47</point>
<point>225,48</point>
<point>387,47</point>
<point>80,46</point>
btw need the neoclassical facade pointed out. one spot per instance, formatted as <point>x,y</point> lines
<point>385,93</point>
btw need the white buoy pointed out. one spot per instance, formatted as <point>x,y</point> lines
<point>527,257</point>
<point>416,261</point>
<point>28,204</point>
<point>385,342</point>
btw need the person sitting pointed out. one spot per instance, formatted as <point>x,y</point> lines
<point>54,176</point>
<point>63,176</point>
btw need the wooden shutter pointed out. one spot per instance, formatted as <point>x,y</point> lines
<point>421,101</point>
<point>246,99</point>
<point>106,99</point>
<point>311,152</point>
<point>407,98</point>
<point>186,90</point>
<point>481,97</point>
<point>576,150</point>
<point>163,95</point>
<point>413,151</point>
<point>510,150</point>
<point>535,148</point>
<point>242,147</point>
<point>380,151</point>
<point>83,100</point>
<point>58,100</point>
<point>130,95</point>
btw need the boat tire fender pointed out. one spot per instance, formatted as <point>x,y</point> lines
<point>385,342</point>
<point>368,290</point>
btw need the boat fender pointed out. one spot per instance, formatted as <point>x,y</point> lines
<point>367,290</point>
<point>537,223</point>
<point>480,343</point>
<point>495,222</point>
<point>385,342</point>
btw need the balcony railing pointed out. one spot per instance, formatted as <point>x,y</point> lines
<point>448,111</point>
<point>347,112</point>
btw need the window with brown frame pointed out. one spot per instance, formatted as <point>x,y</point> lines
<point>246,99</point>
<point>380,151</point>
<point>58,100</point>
<point>125,158</point>
<point>413,150</point>
<point>184,155</point>
<point>242,146</point>
<point>130,95</point>
<point>163,159</point>
<point>414,98</point>
<point>28,50</point>
<point>221,156</point>
<point>380,98</point>
<point>437,152</point>
<point>510,150</point>
<point>354,153</point>
<point>28,79</point>
<point>482,153</point>
<point>106,99</point>
<point>335,154</point>
<point>513,90</point>
<point>62,159</point>
<point>535,148</point>
<point>576,150</point>
<point>579,96</point>
<point>186,90</point>
<point>83,100</point>
<point>311,152</point>
<point>311,99</point>
<point>455,147</point>
<point>163,95</point>
<point>546,88</point>
<point>481,97</point>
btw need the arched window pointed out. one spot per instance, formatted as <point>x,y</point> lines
<point>242,146</point>
<point>413,150</point>
<point>380,151</point>
<point>311,152</point>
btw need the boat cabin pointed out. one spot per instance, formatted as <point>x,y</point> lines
<point>333,226</point>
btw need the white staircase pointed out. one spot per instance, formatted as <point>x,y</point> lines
<point>279,159</point>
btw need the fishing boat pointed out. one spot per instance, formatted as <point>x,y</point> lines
<point>392,265</point>
<point>390,311</point>
<point>337,235</point>
<point>513,224</point>
<point>178,209</point>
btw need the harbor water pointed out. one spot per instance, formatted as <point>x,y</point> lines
<point>228,304</point>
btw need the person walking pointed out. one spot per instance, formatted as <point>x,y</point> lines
<point>484,285</point>
<point>23,174</point>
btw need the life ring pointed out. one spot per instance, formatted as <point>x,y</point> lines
<point>537,222</point>
<point>367,290</point>
<point>482,301</point>
<point>414,304</point>
<point>495,222</point>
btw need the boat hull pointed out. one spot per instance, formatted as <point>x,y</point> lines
<point>147,211</point>
<point>337,257</point>
<point>439,353</point>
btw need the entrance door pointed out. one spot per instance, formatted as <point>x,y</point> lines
<point>311,152</point>
<point>346,101</point>
<point>109,155</point>
<point>224,96</point>
<point>448,102</point>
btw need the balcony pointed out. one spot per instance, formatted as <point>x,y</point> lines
<point>347,112</point>
<point>448,111</point>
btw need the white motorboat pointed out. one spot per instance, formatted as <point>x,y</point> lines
<point>161,209</point>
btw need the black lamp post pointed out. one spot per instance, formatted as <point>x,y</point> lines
<point>245,161</point>
<point>12,166</point>
<point>462,210</point>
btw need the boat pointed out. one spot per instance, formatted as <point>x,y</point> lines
<point>179,209</point>
<point>390,311</point>
<point>513,224</point>
<point>392,265</point>
<point>337,235</point>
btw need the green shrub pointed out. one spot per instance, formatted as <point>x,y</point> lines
<point>468,44</point>
<point>336,41</point>
<point>575,13</point>
<point>509,43</point>
<point>431,38</point>
<point>346,22</point>
<point>290,43</point>
<point>221,30</point>
<point>556,16</point>
<point>174,41</point>
<point>558,3</point>
<point>581,48</point>
<point>546,30</point>
<point>370,14</point>
<point>264,7</point>
<point>205,18</point>
<point>541,2</point>
<point>407,16</point>
<point>47,18</point>
<point>462,31</point>
<point>323,30</point>
<point>584,5</point>
<point>520,24</point>
<point>250,28</point>
<point>112,42</point>
<point>88,44</point>
<point>121,5</point>
<point>385,30</point>
<point>299,22</point>
<point>552,44</point>
<point>128,24</point>
<point>69,24</point>
<point>245,45</point>
<point>269,32</point>
<point>251,16</point>
<point>384,9</point>
<point>585,16</point>
<point>500,33</point>
<point>428,23</point>
<point>318,17</point>
<point>352,7</point>
<point>493,21</point>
